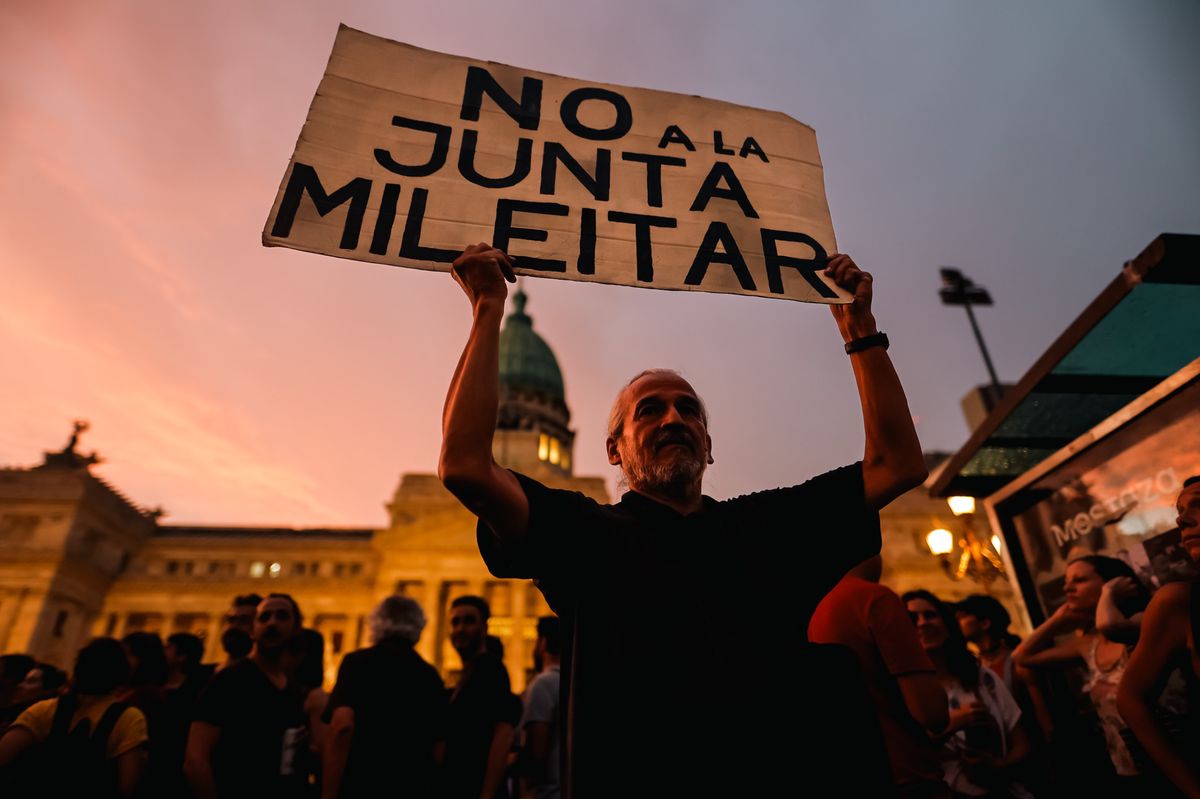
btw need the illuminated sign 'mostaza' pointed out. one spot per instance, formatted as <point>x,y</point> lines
<point>1106,511</point>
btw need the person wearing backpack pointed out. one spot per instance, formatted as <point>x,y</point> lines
<point>83,743</point>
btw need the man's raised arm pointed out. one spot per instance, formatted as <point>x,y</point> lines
<point>892,462</point>
<point>466,466</point>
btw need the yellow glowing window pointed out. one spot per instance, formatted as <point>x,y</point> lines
<point>566,459</point>
<point>543,447</point>
<point>554,450</point>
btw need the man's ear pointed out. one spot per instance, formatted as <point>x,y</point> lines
<point>614,454</point>
<point>708,446</point>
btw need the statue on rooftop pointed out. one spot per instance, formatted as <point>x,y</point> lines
<point>69,457</point>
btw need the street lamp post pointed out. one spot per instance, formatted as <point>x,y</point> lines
<point>958,289</point>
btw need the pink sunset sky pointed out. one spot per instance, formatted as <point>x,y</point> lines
<point>1036,146</point>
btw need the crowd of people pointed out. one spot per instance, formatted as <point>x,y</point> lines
<point>741,647</point>
<point>961,705</point>
<point>1096,700</point>
<point>141,717</point>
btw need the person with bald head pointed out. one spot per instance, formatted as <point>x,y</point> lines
<point>685,617</point>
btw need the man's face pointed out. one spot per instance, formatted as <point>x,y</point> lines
<point>241,617</point>
<point>664,442</point>
<point>1188,506</point>
<point>467,631</point>
<point>275,623</point>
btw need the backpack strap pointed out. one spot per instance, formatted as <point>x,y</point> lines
<point>64,711</point>
<point>107,722</point>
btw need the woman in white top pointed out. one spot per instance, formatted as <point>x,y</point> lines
<point>1104,604</point>
<point>984,742</point>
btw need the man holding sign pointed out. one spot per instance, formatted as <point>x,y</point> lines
<point>684,623</point>
<point>683,620</point>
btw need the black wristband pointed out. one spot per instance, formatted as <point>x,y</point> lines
<point>866,342</point>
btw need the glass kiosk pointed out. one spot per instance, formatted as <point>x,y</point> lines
<point>1087,453</point>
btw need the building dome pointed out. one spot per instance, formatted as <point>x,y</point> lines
<point>533,434</point>
<point>526,361</point>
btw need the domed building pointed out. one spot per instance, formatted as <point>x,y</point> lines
<point>79,559</point>
<point>532,432</point>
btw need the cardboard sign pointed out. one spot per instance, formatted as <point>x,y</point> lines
<point>408,155</point>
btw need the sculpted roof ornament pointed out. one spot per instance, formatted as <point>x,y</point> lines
<point>69,457</point>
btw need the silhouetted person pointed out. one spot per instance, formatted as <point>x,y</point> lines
<point>1170,639</point>
<point>146,690</point>
<point>186,678</point>
<point>673,578</point>
<point>872,622</point>
<point>185,671</point>
<point>43,681</point>
<point>237,636</point>
<point>306,667</point>
<point>481,715</point>
<point>13,669</point>
<point>540,731</point>
<point>387,712</point>
<point>249,722</point>
<point>83,743</point>
<point>984,622</point>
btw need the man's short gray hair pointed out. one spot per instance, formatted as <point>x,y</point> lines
<point>616,418</point>
<point>396,616</point>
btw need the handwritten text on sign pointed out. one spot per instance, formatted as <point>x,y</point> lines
<point>409,155</point>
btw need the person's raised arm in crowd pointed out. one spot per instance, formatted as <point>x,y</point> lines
<point>1039,649</point>
<point>1110,621</point>
<point>892,461</point>
<point>466,466</point>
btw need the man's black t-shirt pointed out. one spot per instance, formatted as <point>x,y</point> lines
<point>481,700</point>
<point>687,634</point>
<point>254,717</point>
<point>399,706</point>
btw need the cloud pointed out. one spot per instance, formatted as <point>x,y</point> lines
<point>166,444</point>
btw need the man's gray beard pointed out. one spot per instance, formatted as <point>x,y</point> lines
<point>666,477</point>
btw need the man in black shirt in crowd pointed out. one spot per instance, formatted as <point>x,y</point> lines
<point>715,595</point>
<point>249,722</point>
<point>387,712</point>
<point>186,679</point>
<point>482,712</point>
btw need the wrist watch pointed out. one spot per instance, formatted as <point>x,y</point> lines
<point>866,342</point>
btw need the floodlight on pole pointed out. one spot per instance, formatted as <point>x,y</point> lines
<point>958,289</point>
